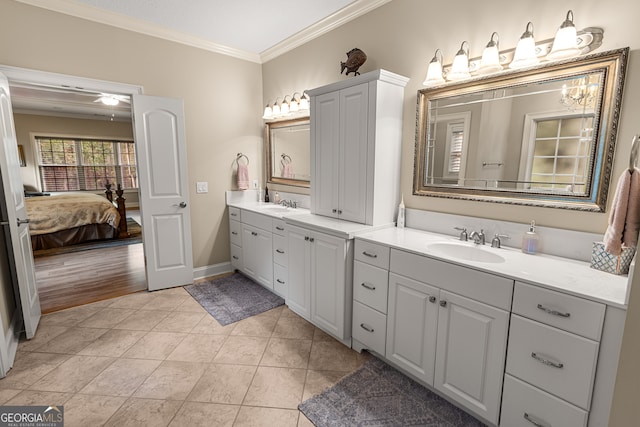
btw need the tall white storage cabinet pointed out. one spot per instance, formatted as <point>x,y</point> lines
<point>356,138</point>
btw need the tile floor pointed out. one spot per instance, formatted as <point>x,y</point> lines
<point>158,359</point>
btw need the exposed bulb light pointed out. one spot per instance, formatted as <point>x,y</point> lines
<point>460,67</point>
<point>276,108</point>
<point>268,112</point>
<point>525,55</point>
<point>304,101</point>
<point>284,106</point>
<point>565,44</point>
<point>434,72</point>
<point>490,62</point>
<point>294,104</point>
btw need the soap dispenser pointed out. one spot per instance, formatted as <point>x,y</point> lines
<point>530,240</point>
<point>400,223</point>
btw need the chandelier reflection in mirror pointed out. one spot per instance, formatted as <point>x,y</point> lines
<point>581,92</point>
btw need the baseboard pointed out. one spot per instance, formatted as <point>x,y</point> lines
<point>212,270</point>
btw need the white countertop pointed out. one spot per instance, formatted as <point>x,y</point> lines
<point>561,274</point>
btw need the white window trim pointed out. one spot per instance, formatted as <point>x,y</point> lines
<point>463,119</point>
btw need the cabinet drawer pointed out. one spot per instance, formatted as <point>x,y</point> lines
<point>280,274</point>
<point>573,314</point>
<point>257,220</point>
<point>235,233</point>
<point>372,253</point>
<point>234,213</point>
<point>369,327</point>
<point>280,253</point>
<point>474,284</point>
<point>279,227</point>
<point>551,359</point>
<point>523,405</point>
<point>236,257</point>
<point>370,285</point>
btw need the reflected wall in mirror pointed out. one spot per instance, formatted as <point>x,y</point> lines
<point>544,136</point>
<point>288,152</point>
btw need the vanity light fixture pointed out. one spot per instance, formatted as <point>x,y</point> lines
<point>276,108</point>
<point>434,72</point>
<point>304,101</point>
<point>284,106</point>
<point>525,54</point>
<point>291,106</point>
<point>460,67</point>
<point>490,62</point>
<point>565,44</point>
<point>294,104</point>
<point>268,112</point>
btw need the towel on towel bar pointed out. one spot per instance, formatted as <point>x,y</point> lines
<point>243,176</point>
<point>624,220</point>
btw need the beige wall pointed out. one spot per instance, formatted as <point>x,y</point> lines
<point>222,98</point>
<point>402,36</point>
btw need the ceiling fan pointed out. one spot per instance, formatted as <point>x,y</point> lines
<point>112,99</point>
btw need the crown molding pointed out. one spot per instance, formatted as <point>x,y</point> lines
<point>91,13</point>
<point>341,17</point>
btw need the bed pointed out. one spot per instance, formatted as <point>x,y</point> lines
<point>73,218</point>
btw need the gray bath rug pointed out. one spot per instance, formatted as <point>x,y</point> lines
<point>233,298</point>
<point>378,395</point>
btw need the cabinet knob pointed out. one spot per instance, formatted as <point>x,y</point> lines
<point>311,239</point>
<point>334,210</point>
<point>432,299</point>
<point>339,211</point>
<point>306,238</point>
<point>443,303</point>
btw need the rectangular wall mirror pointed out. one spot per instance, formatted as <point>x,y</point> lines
<point>543,136</point>
<point>288,152</point>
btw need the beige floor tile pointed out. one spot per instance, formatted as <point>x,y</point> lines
<point>8,394</point>
<point>171,380</point>
<point>73,374</point>
<point>332,356</point>
<point>70,316</point>
<point>106,318</point>
<point>155,345</point>
<point>209,325</point>
<point>30,398</point>
<point>191,305</point>
<point>133,301</point>
<point>83,410</point>
<point>145,413</point>
<point>177,291</point>
<point>251,416</point>
<point>44,334</point>
<point>165,302</point>
<point>29,368</point>
<point>286,353</point>
<point>303,421</point>
<point>294,327</point>
<point>197,348</point>
<point>276,388</point>
<point>144,320</point>
<point>320,335</point>
<point>242,350</point>
<point>122,377</point>
<point>287,312</point>
<point>112,343</point>
<point>223,384</point>
<point>179,321</point>
<point>196,414</point>
<point>275,312</point>
<point>319,381</point>
<point>261,325</point>
<point>71,341</point>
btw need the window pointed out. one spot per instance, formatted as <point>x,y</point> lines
<point>72,164</point>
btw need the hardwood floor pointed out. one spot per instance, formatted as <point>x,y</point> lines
<point>80,278</point>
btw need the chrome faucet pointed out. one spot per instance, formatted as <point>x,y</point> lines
<point>463,233</point>
<point>289,203</point>
<point>478,238</point>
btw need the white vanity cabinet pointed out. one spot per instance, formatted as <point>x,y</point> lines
<point>319,280</point>
<point>356,137</point>
<point>256,248</point>
<point>280,258</point>
<point>235,237</point>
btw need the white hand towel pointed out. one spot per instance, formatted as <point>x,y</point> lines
<point>243,176</point>
<point>624,220</point>
<point>287,171</point>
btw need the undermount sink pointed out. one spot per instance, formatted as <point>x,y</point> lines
<point>274,208</point>
<point>465,251</point>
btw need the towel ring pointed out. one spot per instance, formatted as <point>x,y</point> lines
<point>239,156</point>
<point>285,159</point>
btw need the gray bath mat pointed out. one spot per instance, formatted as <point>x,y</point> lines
<point>233,298</point>
<point>378,395</point>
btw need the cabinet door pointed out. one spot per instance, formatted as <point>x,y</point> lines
<point>412,321</point>
<point>257,255</point>
<point>328,258</point>
<point>299,284</point>
<point>354,138</point>
<point>470,356</point>
<point>325,145</point>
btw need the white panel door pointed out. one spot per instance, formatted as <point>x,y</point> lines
<point>15,215</point>
<point>299,292</point>
<point>325,173</point>
<point>472,342</point>
<point>412,322</point>
<point>354,113</point>
<point>165,211</point>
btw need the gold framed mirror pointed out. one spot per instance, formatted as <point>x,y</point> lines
<point>543,136</point>
<point>288,152</point>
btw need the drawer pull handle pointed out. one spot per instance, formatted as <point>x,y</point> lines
<point>280,251</point>
<point>536,422</point>
<point>366,328</point>
<point>547,361</point>
<point>371,288</point>
<point>279,228</point>
<point>235,233</point>
<point>365,253</point>
<point>280,281</point>
<point>235,257</point>
<point>234,214</point>
<point>553,312</point>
